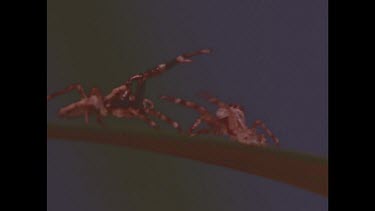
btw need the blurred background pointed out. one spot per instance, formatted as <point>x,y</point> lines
<point>269,56</point>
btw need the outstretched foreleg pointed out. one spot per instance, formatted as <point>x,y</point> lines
<point>160,69</point>
<point>189,104</point>
<point>78,88</point>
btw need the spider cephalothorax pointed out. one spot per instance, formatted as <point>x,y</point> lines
<point>122,102</point>
<point>229,120</point>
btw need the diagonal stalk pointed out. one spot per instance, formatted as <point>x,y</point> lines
<point>301,170</point>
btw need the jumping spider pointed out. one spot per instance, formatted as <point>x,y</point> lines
<point>121,102</point>
<point>229,120</point>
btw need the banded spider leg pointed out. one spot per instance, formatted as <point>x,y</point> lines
<point>121,102</point>
<point>229,119</point>
<point>124,92</point>
<point>215,126</point>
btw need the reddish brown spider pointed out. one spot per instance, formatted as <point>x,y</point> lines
<point>229,120</point>
<point>121,102</point>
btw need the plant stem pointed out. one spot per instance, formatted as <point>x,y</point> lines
<point>300,170</point>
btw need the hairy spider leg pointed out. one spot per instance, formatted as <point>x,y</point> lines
<point>267,130</point>
<point>205,116</point>
<point>161,68</point>
<point>213,100</point>
<point>164,118</point>
<point>78,88</point>
<point>201,110</point>
<point>158,70</point>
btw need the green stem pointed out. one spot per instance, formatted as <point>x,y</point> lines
<point>300,170</point>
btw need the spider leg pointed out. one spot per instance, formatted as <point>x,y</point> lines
<point>147,104</point>
<point>149,121</point>
<point>213,100</point>
<point>223,107</point>
<point>262,139</point>
<point>136,99</point>
<point>98,105</point>
<point>224,111</point>
<point>161,68</point>
<point>217,126</point>
<point>234,114</point>
<point>77,87</point>
<point>189,104</point>
<point>267,130</point>
<point>125,89</point>
<point>117,93</point>
<point>205,115</point>
<point>197,122</point>
<point>163,117</point>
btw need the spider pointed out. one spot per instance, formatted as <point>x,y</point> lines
<point>229,120</point>
<point>121,102</point>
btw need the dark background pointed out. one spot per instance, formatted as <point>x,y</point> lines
<point>269,56</point>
